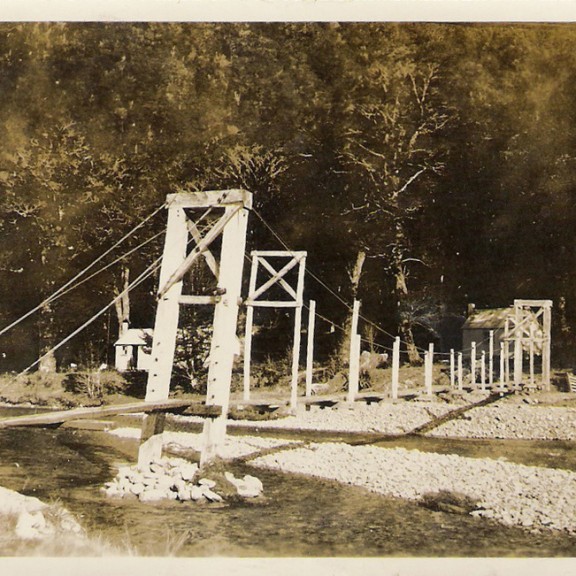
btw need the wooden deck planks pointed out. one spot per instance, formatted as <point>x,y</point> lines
<point>61,416</point>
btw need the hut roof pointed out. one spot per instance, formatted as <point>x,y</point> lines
<point>488,319</point>
<point>134,337</point>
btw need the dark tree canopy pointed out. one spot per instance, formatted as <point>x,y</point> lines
<point>443,152</point>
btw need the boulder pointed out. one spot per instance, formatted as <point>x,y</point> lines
<point>188,471</point>
<point>152,495</point>
<point>137,488</point>
<point>212,496</point>
<point>247,487</point>
<point>196,493</point>
<point>33,526</point>
<point>207,482</point>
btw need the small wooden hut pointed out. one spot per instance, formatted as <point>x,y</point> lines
<point>133,349</point>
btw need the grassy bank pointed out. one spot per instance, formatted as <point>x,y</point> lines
<point>69,390</point>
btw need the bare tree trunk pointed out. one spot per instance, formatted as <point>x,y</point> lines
<point>401,292</point>
<point>122,305</point>
<point>355,274</point>
<point>46,333</point>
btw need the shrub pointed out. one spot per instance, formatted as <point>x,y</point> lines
<point>95,383</point>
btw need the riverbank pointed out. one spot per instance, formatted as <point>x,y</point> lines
<point>532,497</point>
<point>513,494</point>
<point>30,527</point>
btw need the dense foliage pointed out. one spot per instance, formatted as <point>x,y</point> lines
<point>435,160</point>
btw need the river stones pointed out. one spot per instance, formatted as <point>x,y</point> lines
<point>247,487</point>
<point>207,482</point>
<point>188,471</point>
<point>172,479</point>
<point>153,495</point>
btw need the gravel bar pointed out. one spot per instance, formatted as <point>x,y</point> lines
<point>500,420</point>
<point>512,494</point>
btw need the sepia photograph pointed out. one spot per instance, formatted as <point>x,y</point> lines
<point>288,288</point>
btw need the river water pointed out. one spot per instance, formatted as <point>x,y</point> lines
<point>299,517</point>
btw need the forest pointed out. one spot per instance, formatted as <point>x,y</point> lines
<point>422,167</point>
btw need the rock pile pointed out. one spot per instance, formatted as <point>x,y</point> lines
<point>513,494</point>
<point>175,479</point>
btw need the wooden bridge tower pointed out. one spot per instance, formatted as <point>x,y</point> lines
<point>531,330</point>
<point>182,231</point>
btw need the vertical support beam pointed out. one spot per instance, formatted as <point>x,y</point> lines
<point>507,352</point>
<point>460,372</point>
<point>151,438</point>
<point>517,346</point>
<point>354,363</point>
<point>167,312</point>
<point>310,347</point>
<point>546,345</point>
<point>297,335</point>
<point>395,367</point>
<point>452,369</point>
<point>249,326</point>
<point>532,336</point>
<point>354,368</point>
<point>429,367</point>
<point>502,365</point>
<point>225,320</point>
<point>491,360</point>
<point>473,365</point>
<point>164,340</point>
<point>483,371</point>
<point>355,315</point>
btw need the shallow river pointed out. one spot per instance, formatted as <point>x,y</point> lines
<point>299,516</point>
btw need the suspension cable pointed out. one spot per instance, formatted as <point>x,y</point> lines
<point>65,286</point>
<point>143,276</point>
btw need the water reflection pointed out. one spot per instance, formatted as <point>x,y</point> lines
<point>299,516</point>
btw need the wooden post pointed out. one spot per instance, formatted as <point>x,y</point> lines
<point>225,320</point>
<point>297,335</point>
<point>518,349</point>
<point>395,367</point>
<point>452,369</point>
<point>151,438</point>
<point>310,347</point>
<point>249,328</point>
<point>491,360</point>
<point>507,352</point>
<point>354,356</point>
<point>428,368</point>
<point>473,365</point>
<point>460,372</point>
<point>483,371</point>
<point>502,366</point>
<point>532,336</point>
<point>546,344</point>
<point>354,368</point>
<point>164,340</point>
<point>167,313</point>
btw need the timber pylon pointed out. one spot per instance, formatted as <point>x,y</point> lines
<point>182,234</point>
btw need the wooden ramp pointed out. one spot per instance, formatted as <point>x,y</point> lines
<point>58,418</point>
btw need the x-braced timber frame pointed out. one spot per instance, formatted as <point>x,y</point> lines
<point>176,261</point>
<point>531,329</point>
<point>256,299</point>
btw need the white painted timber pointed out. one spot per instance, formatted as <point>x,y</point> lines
<point>395,367</point>
<point>310,347</point>
<point>224,334</point>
